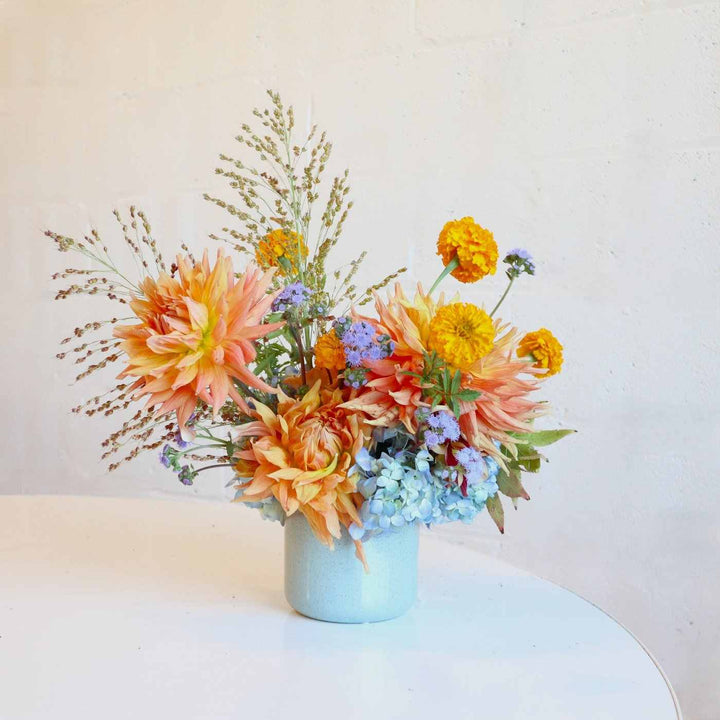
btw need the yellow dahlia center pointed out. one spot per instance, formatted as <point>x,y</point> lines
<point>461,333</point>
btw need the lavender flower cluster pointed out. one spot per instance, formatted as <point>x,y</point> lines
<point>442,426</point>
<point>170,457</point>
<point>361,343</point>
<point>519,261</point>
<point>290,296</point>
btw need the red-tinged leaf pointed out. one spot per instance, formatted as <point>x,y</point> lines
<point>495,508</point>
<point>510,485</point>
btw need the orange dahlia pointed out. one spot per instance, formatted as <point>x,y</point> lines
<point>472,246</point>
<point>302,455</point>
<point>392,395</point>
<point>285,251</point>
<point>196,334</point>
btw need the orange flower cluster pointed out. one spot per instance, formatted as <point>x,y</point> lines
<point>394,393</point>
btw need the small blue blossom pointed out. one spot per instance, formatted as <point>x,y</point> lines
<point>165,455</point>
<point>187,475</point>
<point>179,441</point>
<point>443,427</point>
<point>355,377</point>
<point>291,296</point>
<point>269,507</point>
<point>361,342</point>
<point>520,261</point>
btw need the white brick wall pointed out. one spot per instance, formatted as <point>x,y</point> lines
<point>588,132</point>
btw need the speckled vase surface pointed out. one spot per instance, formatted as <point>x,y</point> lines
<point>332,585</point>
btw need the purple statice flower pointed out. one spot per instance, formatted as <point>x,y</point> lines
<point>165,455</point>
<point>179,440</point>
<point>186,475</point>
<point>473,464</point>
<point>291,296</point>
<point>519,261</point>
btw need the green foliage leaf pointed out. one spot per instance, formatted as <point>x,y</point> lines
<point>542,438</point>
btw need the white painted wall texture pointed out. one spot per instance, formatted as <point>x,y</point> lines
<point>588,132</point>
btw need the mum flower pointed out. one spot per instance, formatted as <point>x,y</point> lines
<point>303,455</point>
<point>393,395</point>
<point>284,251</point>
<point>195,335</point>
<point>329,352</point>
<point>544,349</point>
<point>469,245</point>
<point>461,333</point>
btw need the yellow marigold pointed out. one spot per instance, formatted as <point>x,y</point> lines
<point>461,333</point>
<point>284,251</point>
<point>472,245</point>
<point>329,352</point>
<point>544,348</point>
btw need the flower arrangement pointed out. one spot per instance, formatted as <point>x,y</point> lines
<point>420,411</point>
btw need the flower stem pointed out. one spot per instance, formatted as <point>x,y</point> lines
<point>210,467</point>
<point>452,265</point>
<point>301,352</point>
<point>503,296</point>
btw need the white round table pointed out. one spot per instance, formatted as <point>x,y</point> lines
<point>122,608</point>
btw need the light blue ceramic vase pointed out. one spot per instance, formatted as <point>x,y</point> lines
<point>331,585</point>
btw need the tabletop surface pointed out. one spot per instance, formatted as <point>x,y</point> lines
<point>133,608</point>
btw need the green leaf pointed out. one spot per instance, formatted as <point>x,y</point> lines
<point>529,458</point>
<point>541,438</point>
<point>457,379</point>
<point>495,509</point>
<point>510,485</point>
<point>468,395</point>
<point>530,464</point>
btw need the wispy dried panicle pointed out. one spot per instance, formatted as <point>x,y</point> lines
<point>132,243</point>
<point>367,296</point>
<point>186,250</point>
<point>64,243</point>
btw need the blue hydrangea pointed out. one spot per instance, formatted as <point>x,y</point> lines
<point>270,508</point>
<point>291,296</point>
<point>413,487</point>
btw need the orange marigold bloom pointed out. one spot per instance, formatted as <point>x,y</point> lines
<point>473,246</point>
<point>392,395</point>
<point>544,348</point>
<point>302,455</point>
<point>287,252</point>
<point>329,352</point>
<point>196,334</point>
